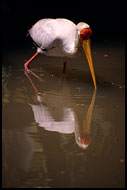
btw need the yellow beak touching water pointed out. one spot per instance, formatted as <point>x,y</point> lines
<point>87,50</point>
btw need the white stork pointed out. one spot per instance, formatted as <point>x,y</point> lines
<point>62,38</point>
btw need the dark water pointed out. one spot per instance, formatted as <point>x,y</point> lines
<point>60,132</point>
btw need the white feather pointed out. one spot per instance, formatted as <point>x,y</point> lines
<point>60,37</point>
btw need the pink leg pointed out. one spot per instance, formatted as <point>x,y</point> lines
<point>27,63</point>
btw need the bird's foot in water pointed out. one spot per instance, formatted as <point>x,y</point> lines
<point>27,69</point>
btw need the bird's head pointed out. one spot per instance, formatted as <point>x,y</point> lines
<point>84,31</point>
<point>85,34</point>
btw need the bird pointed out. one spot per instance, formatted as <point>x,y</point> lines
<point>61,37</point>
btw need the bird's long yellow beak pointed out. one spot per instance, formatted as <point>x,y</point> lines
<point>87,50</point>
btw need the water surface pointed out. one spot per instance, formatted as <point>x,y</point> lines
<point>61,132</point>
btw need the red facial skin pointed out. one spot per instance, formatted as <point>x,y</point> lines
<point>85,34</point>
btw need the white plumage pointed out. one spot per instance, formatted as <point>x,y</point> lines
<point>62,38</point>
<point>57,37</point>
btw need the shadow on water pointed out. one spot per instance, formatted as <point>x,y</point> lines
<point>60,133</point>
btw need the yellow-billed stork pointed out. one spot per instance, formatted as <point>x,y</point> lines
<point>62,38</point>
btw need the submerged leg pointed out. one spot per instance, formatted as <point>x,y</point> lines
<point>64,68</point>
<point>27,63</point>
<point>64,71</point>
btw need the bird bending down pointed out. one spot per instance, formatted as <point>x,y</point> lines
<point>62,38</point>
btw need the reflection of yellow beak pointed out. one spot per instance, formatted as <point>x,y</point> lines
<point>87,50</point>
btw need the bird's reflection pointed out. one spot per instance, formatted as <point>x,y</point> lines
<point>83,132</point>
<point>55,111</point>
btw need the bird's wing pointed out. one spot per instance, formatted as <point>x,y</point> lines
<point>68,34</point>
<point>44,33</point>
<point>60,36</point>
